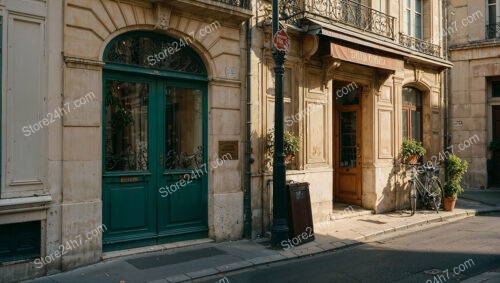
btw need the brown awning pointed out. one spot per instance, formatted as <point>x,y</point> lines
<point>364,58</point>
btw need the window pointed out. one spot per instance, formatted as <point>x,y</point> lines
<point>380,5</point>
<point>492,11</point>
<point>493,25</point>
<point>412,113</point>
<point>19,241</point>
<point>413,18</point>
<point>495,86</point>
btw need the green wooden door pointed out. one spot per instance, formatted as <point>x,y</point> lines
<point>154,151</point>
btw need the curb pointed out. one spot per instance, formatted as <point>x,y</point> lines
<point>316,250</point>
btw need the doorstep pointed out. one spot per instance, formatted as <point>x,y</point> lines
<point>155,248</point>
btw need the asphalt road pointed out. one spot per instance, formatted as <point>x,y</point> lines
<point>448,253</point>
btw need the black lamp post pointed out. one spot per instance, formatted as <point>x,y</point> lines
<point>279,229</point>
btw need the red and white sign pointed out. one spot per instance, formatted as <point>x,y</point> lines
<point>281,40</point>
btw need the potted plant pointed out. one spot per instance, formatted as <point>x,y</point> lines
<point>455,168</point>
<point>411,151</point>
<point>291,145</point>
<point>451,190</point>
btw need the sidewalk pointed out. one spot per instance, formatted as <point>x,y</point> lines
<point>209,259</point>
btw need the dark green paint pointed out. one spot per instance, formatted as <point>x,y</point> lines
<point>135,213</point>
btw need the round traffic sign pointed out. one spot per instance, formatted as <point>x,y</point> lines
<point>281,40</point>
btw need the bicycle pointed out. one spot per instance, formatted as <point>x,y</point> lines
<point>430,191</point>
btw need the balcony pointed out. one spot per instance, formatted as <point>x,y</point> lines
<point>347,12</point>
<point>245,4</point>
<point>493,31</point>
<point>419,45</point>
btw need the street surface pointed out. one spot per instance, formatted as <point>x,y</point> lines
<point>448,253</point>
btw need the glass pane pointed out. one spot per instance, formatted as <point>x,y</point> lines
<point>407,22</point>
<point>346,93</point>
<point>152,52</point>
<point>418,26</point>
<point>416,125</point>
<point>496,89</point>
<point>418,6</point>
<point>347,139</point>
<point>412,96</point>
<point>183,128</point>
<point>492,14</point>
<point>126,126</point>
<point>405,123</point>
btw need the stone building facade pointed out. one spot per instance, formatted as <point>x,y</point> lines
<point>107,107</point>
<point>133,128</point>
<point>474,32</point>
<point>359,77</point>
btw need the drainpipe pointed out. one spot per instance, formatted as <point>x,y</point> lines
<point>446,81</point>
<point>248,145</point>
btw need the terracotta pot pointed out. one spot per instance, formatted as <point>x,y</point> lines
<point>449,204</point>
<point>288,157</point>
<point>412,159</point>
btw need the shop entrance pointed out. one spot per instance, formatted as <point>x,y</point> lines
<point>347,150</point>
<point>154,144</point>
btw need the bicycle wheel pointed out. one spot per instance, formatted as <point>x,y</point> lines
<point>413,197</point>
<point>436,193</point>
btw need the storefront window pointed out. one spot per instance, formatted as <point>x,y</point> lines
<point>412,113</point>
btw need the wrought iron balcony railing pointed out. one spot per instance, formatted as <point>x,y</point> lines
<point>245,4</point>
<point>344,11</point>
<point>493,30</point>
<point>419,45</point>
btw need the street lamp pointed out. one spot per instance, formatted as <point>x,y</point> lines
<point>279,229</point>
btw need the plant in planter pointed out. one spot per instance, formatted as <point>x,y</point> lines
<point>451,191</point>
<point>291,145</point>
<point>455,168</point>
<point>411,151</point>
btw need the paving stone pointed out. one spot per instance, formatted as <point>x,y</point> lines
<point>177,278</point>
<point>202,273</point>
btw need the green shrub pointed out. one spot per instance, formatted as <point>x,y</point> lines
<point>456,167</point>
<point>452,189</point>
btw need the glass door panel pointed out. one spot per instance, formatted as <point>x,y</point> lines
<point>183,128</point>
<point>183,203</point>
<point>348,139</point>
<point>126,126</point>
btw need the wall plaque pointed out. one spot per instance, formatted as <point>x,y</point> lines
<point>229,149</point>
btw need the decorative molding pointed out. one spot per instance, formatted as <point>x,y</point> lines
<point>381,76</point>
<point>310,45</point>
<point>83,63</point>
<point>330,64</point>
<point>162,17</point>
